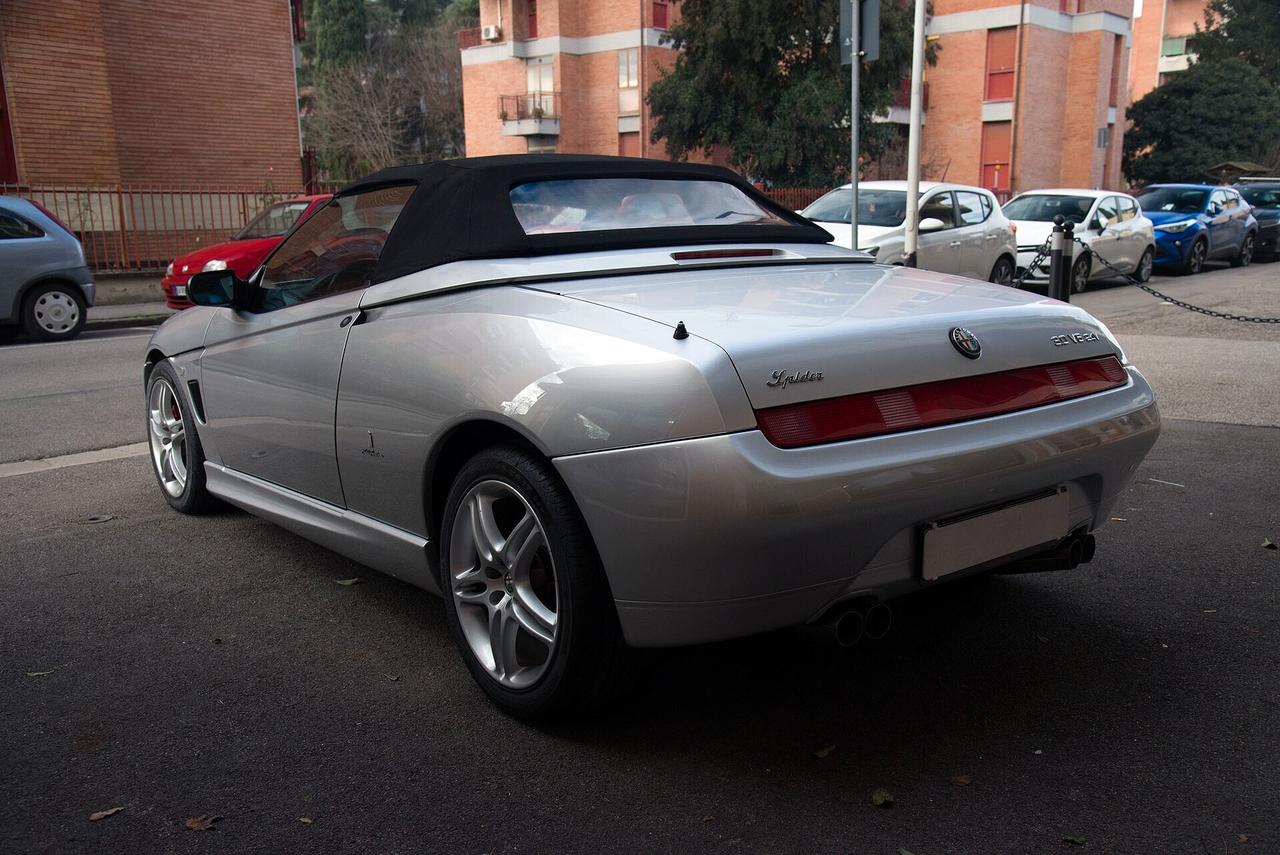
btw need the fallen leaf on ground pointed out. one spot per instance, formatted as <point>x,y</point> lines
<point>1043,639</point>
<point>902,851</point>
<point>1119,519</point>
<point>392,677</point>
<point>1075,839</point>
<point>708,818</point>
<point>308,820</point>
<point>962,780</point>
<point>880,797</point>
<point>39,673</point>
<point>824,751</point>
<point>348,582</point>
<point>1210,611</point>
<point>1037,752</point>
<point>1242,838</point>
<point>103,814</point>
<point>1267,544</point>
<point>99,518</point>
<point>202,823</point>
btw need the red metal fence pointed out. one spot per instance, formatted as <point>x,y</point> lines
<point>795,198</point>
<point>140,229</point>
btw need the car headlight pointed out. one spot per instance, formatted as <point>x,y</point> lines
<point>215,264</point>
<point>1174,228</point>
<point>168,271</point>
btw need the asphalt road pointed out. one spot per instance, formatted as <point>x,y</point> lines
<point>181,667</point>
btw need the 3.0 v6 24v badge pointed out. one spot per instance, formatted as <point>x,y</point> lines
<point>1073,338</point>
<point>784,378</point>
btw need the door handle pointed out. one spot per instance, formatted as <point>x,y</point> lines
<point>355,318</point>
<point>954,243</point>
<point>346,321</point>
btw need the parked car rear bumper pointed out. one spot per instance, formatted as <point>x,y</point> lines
<point>726,536</point>
<point>1268,237</point>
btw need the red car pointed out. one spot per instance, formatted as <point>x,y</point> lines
<point>244,252</point>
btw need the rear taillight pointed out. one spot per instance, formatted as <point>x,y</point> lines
<point>938,403</point>
<point>712,254</point>
<point>53,217</point>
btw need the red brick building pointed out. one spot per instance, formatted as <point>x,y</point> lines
<point>145,91</point>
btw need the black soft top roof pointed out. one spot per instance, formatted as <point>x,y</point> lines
<point>461,209</point>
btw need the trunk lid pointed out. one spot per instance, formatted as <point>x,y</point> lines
<point>861,327</point>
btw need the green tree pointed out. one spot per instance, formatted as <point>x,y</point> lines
<point>337,33</point>
<point>1210,113</point>
<point>763,77</point>
<point>1246,29</point>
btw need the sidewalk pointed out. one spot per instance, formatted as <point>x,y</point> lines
<point>128,315</point>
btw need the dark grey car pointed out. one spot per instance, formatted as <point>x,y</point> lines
<point>45,284</point>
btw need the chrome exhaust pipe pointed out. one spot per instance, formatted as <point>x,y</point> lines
<point>879,620</point>
<point>842,626</point>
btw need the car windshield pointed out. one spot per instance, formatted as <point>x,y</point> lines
<point>1262,197</point>
<point>274,221</point>
<point>602,204</point>
<point>1180,200</point>
<point>1043,208</point>
<point>875,207</point>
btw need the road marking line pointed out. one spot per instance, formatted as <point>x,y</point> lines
<point>27,467</point>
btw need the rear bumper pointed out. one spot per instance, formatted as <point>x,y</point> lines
<point>726,536</point>
<point>1268,241</point>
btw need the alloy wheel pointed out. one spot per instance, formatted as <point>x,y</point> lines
<point>1003,273</point>
<point>56,312</point>
<point>1146,266</point>
<point>503,582</point>
<point>168,437</point>
<point>1080,276</point>
<point>1195,261</point>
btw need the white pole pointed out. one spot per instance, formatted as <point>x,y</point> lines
<point>855,66</point>
<point>912,236</point>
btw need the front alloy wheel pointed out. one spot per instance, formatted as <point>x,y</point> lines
<point>1195,258</point>
<point>169,452</point>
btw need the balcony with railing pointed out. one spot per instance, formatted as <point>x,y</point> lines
<point>530,114</point>
<point>469,38</point>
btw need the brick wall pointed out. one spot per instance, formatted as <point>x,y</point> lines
<point>145,91</point>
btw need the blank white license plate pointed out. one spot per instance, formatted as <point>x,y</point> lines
<point>959,545</point>
<point>179,290</point>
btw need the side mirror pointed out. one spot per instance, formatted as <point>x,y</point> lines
<point>932,224</point>
<point>218,288</point>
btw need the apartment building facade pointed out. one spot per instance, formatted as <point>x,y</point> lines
<point>563,75</point>
<point>1161,29</point>
<point>112,91</point>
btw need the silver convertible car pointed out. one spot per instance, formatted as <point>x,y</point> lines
<point>599,402</point>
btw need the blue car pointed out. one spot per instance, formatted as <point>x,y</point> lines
<point>1198,222</point>
<point>1264,195</point>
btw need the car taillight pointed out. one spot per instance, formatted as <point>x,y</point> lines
<point>51,216</point>
<point>712,254</point>
<point>938,403</point>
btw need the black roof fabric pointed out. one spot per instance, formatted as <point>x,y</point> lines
<point>461,209</point>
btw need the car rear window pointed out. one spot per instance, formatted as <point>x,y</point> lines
<point>603,204</point>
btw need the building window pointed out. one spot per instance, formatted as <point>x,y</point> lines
<point>661,14</point>
<point>1174,46</point>
<point>541,86</point>
<point>629,81</point>
<point>997,143</point>
<point>1116,55</point>
<point>532,32</point>
<point>1002,48</point>
<point>629,144</point>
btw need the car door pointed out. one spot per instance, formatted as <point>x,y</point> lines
<point>25,252</point>
<point>269,376</point>
<point>940,250</point>
<point>1239,212</point>
<point>972,234</point>
<point>1130,245</point>
<point>1107,239</point>
<point>1219,227</point>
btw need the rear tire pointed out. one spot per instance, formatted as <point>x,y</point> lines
<point>527,600</point>
<point>54,312</point>
<point>1145,266</point>
<point>1002,273</point>
<point>1245,255</point>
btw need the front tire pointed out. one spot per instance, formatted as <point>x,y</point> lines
<point>1002,273</point>
<point>1245,255</point>
<point>177,458</point>
<point>527,599</point>
<point>1196,257</point>
<point>54,312</point>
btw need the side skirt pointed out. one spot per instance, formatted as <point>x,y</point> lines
<point>375,544</point>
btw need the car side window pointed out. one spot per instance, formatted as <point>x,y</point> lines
<point>988,205</point>
<point>971,208</point>
<point>1231,200</point>
<point>1217,201</point>
<point>334,251</point>
<point>1128,209</point>
<point>1109,211</point>
<point>13,226</point>
<point>939,207</point>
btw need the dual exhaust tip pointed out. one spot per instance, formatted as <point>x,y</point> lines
<point>848,623</point>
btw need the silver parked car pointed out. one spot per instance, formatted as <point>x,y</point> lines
<point>1111,224</point>
<point>962,229</point>
<point>600,402</point>
<point>45,285</point>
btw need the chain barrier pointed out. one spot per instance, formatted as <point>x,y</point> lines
<point>1226,316</point>
<point>1041,254</point>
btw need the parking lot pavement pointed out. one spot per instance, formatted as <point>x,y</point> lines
<point>180,667</point>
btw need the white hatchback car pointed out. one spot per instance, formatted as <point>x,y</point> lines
<point>962,229</point>
<point>1110,223</point>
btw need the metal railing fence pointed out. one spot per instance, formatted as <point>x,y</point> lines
<point>796,198</point>
<point>130,228</point>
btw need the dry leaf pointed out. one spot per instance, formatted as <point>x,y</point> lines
<point>1075,839</point>
<point>1243,838</point>
<point>1267,544</point>
<point>103,814</point>
<point>39,673</point>
<point>202,823</point>
<point>880,797</point>
<point>708,818</point>
<point>308,820</point>
<point>962,780</point>
<point>348,582</point>
<point>392,677</point>
<point>824,751</point>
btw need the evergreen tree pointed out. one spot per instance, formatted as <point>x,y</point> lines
<point>1243,29</point>
<point>336,29</point>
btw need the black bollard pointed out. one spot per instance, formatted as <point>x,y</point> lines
<point>1059,278</point>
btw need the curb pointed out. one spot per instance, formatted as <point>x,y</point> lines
<point>117,323</point>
